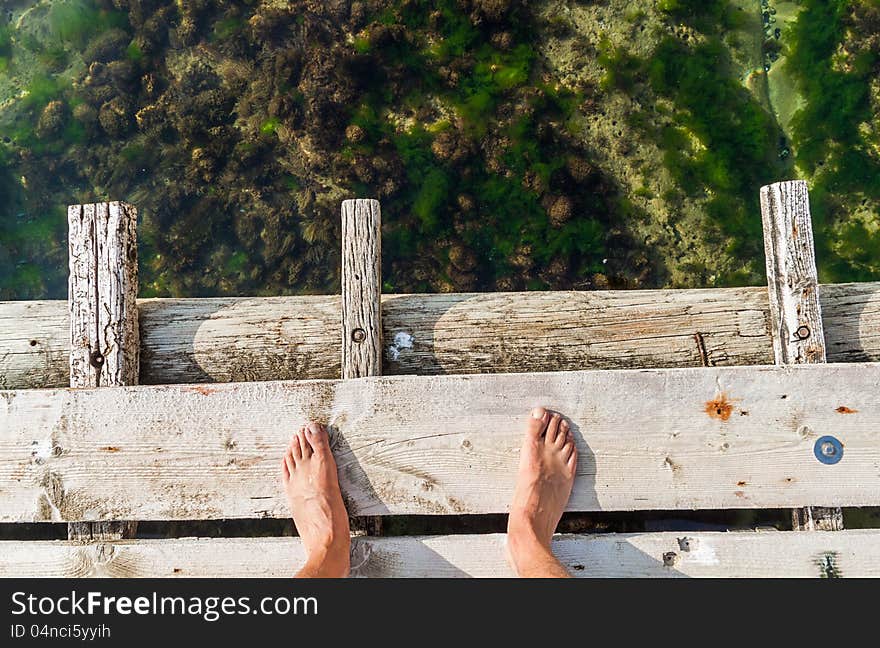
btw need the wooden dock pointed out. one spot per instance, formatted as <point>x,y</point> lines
<point>116,410</point>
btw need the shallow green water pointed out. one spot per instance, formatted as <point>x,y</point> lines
<point>549,145</point>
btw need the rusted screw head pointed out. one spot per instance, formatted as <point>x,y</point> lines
<point>803,332</point>
<point>359,335</point>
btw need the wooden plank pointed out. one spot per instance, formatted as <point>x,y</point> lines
<point>760,554</point>
<point>740,437</point>
<point>795,313</point>
<point>361,288</point>
<point>361,306</point>
<point>104,345</point>
<point>285,338</point>
<point>102,300</point>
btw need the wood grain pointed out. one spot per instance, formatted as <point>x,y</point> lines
<point>285,338</point>
<point>705,438</point>
<point>362,307</point>
<point>104,344</point>
<point>361,288</point>
<point>102,301</point>
<point>795,315</point>
<point>796,327</point>
<point>642,555</point>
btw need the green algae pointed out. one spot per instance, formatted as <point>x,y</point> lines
<point>237,141</point>
<point>830,149</point>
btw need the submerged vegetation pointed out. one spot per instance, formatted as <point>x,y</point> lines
<point>835,57</point>
<point>513,145</point>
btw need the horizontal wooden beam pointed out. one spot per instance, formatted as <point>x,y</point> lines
<point>746,554</point>
<point>288,338</point>
<point>708,438</point>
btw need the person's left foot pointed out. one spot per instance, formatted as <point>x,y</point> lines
<point>308,472</point>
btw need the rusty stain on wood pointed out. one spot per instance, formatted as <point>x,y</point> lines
<point>843,409</point>
<point>720,407</point>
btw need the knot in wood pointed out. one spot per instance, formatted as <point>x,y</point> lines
<point>359,335</point>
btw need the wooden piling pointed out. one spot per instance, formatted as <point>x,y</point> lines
<point>361,289</point>
<point>795,315</point>
<point>362,305</point>
<point>102,300</point>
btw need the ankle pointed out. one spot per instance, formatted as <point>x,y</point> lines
<point>330,561</point>
<point>325,566</point>
<point>525,546</point>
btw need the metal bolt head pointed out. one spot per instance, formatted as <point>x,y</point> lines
<point>359,335</point>
<point>97,359</point>
<point>803,332</point>
<point>828,450</point>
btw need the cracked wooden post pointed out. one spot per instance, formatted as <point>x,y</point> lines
<point>795,316</point>
<point>361,304</point>
<point>102,299</point>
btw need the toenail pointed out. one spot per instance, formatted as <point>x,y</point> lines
<point>564,424</point>
<point>538,413</point>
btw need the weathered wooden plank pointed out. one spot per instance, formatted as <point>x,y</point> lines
<point>361,288</point>
<point>740,437</point>
<point>760,554</point>
<point>361,306</point>
<point>795,313</point>
<point>284,338</point>
<point>102,300</point>
<point>104,345</point>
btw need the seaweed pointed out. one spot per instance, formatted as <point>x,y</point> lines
<point>720,141</point>
<point>829,146</point>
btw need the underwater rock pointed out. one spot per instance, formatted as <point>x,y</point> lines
<point>114,117</point>
<point>354,133</point>
<point>491,10</point>
<point>462,281</point>
<point>464,259</point>
<point>503,40</point>
<point>579,168</point>
<point>465,202</point>
<point>522,258</point>
<point>149,117</point>
<point>560,211</point>
<point>107,47</point>
<point>85,114</point>
<point>51,119</point>
<point>452,146</point>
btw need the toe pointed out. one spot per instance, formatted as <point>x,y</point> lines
<point>295,448</point>
<point>572,462</point>
<point>317,437</point>
<point>553,428</point>
<point>288,465</point>
<point>563,435</point>
<point>304,443</point>
<point>537,422</point>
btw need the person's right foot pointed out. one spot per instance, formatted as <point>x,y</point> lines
<point>548,461</point>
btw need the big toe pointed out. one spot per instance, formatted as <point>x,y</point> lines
<point>537,423</point>
<point>316,435</point>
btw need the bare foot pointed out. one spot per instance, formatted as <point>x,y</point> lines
<point>308,472</point>
<point>548,460</point>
